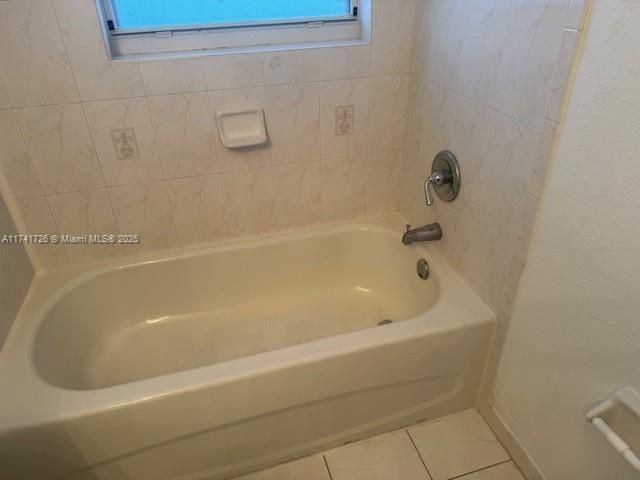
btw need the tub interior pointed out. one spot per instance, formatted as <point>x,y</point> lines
<point>164,317</point>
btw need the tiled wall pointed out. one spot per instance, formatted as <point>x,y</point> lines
<point>16,274</point>
<point>60,99</point>
<point>488,83</point>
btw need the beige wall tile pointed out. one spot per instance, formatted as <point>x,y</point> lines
<point>200,209</point>
<point>17,273</point>
<point>86,213</point>
<point>384,178</point>
<point>250,201</point>
<point>387,112</point>
<point>166,76</point>
<point>4,96</point>
<point>561,71</point>
<point>528,59</point>
<point>97,77</point>
<point>185,134</point>
<point>33,217</point>
<point>341,63</point>
<point>61,148</point>
<point>294,122</point>
<point>392,36</point>
<point>344,188</point>
<point>33,59</point>
<point>18,175</point>
<point>578,11</point>
<point>144,210</point>
<point>107,116</point>
<point>234,71</point>
<point>293,66</point>
<point>298,194</point>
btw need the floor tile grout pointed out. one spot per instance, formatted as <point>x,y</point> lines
<point>461,476</point>
<point>326,464</point>
<point>419,454</point>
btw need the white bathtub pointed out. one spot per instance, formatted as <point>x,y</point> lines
<point>215,362</point>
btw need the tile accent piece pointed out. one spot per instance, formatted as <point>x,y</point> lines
<point>33,217</point>
<point>125,143</point>
<point>18,176</point>
<point>293,66</point>
<point>343,188</point>
<point>243,158</point>
<point>106,116</point>
<point>344,93</point>
<point>199,208</point>
<point>250,202</point>
<point>173,76</point>
<point>86,213</point>
<point>233,71</point>
<point>341,63</point>
<point>298,194</point>
<point>457,444</point>
<point>33,59</point>
<point>505,471</point>
<point>308,468</point>
<point>185,134</point>
<point>144,210</point>
<point>345,120</point>
<point>294,122</point>
<point>390,456</point>
<point>61,148</point>
<point>97,77</point>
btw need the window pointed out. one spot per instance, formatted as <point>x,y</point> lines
<point>137,27</point>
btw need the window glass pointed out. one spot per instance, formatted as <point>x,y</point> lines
<point>140,14</point>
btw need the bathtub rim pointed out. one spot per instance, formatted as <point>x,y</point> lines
<point>455,308</point>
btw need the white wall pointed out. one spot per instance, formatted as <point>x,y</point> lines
<point>575,332</point>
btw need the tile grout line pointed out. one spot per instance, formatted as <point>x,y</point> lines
<point>424,464</point>
<point>326,464</point>
<point>481,469</point>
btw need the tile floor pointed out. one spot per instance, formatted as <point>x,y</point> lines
<point>460,446</point>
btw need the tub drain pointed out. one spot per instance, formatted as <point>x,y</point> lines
<point>386,321</point>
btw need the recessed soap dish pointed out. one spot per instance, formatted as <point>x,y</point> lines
<point>241,128</point>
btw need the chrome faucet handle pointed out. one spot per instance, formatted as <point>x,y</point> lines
<point>437,179</point>
<point>444,179</point>
<point>427,192</point>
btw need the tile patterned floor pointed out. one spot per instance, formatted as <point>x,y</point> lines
<point>460,446</point>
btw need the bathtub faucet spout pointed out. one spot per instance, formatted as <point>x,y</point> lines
<point>426,233</point>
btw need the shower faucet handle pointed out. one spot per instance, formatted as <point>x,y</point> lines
<point>444,178</point>
<point>437,179</point>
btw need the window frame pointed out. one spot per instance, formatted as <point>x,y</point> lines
<point>212,38</point>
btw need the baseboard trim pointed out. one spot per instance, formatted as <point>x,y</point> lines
<point>518,453</point>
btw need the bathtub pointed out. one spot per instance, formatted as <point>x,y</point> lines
<point>215,362</point>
